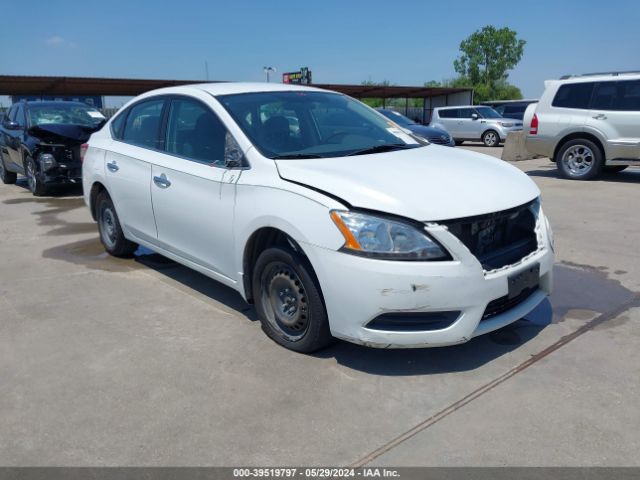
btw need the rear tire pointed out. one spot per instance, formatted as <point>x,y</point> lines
<point>490,138</point>
<point>614,168</point>
<point>288,301</point>
<point>36,186</point>
<point>111,235</point>
<point>7,177</point>
<point>579,159</point>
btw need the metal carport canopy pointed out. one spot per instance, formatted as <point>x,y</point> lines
<point>39,85</point>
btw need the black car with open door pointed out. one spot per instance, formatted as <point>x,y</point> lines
<point>44,140</point>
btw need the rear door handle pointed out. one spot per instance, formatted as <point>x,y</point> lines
<point>162,181</point>
<point>600,116</point>
<point>113,167</point>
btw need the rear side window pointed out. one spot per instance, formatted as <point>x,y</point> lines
<point>117,126</point>
<point>452,113</point>
<point>143,123</point>
<point>574,95</point>
<point>195,132</point>
<point>620,96</point>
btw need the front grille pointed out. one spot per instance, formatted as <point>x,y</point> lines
<point>498,239</point>
<point>439,140</point>
<point>502,304</point>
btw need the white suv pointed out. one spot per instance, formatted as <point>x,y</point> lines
<point>322,212</point>
<point>587,123</point>
<point>474,123</point>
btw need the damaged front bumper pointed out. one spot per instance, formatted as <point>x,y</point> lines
<point>396,304</point>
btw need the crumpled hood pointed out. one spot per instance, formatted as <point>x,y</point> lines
<point>427,184</point>
<point>54,132</point>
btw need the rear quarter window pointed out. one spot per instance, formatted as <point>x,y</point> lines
<point>574,95</point>
<point>452,113</point>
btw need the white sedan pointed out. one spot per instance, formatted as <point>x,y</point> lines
<point>321,212</point>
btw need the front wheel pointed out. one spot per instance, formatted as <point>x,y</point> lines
<point>579,159</point>
<point>288,301</point>
<point>36,186</point>
<point>111,235</point>
<point>490,138</point>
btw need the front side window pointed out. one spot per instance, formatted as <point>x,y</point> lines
<point>299,124</point>
<point>143,123</point>
<point>574,95</point>
<point>12,113</point>
<point>19,118</point>
<point>466,112</point>
<point>487,112</point>
<point>195,132</point>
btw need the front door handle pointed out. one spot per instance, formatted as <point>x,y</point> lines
<point>113,167</point>
<point>162,181</point>
<point>600,116</point>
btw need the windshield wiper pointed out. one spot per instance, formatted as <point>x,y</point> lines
<point>295,156</point>
<point>383,148</point>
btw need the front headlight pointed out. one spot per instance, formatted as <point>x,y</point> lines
<point>47,161</point>
<point>505,124</point>
<point>550,238</point>
<point>383,238</point>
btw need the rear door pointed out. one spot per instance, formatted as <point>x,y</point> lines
<point>448,118</point>
<point>615,113</point>
<point>193,191</point>
<point>569,110</point>
<point>128,166</point>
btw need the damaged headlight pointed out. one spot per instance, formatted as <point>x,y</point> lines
<point>384,238</point>
<point>47,161</point>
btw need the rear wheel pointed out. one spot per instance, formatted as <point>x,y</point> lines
<point>37,187</point>
<point>288,301</point>
<point>6,176</point>
<point>614,168</point>
<point>579,159</point>
<point>110,230</point>
<point>490,138</point>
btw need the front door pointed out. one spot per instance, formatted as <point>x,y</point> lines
<point>192,190</point>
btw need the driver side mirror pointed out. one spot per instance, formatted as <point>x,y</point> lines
<point>474,116</point>
<point>11,125</point>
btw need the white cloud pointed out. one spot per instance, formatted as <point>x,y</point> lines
<point>58,41</point>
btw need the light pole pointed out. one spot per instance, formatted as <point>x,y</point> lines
<point>267,71</point>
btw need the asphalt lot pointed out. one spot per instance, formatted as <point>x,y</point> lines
<point>144,362</point>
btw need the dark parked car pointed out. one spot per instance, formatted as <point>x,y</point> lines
<point>43,141</point>
<point>510,108</point>
<point>433,135</point>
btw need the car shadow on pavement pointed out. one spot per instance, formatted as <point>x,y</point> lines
<point>630,175</point>
<point>57,191</point>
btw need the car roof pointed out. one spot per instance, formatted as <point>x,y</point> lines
<point>459,106</point>
<point>53,103</point>
<point>231,88</point>
<point>610,77</point>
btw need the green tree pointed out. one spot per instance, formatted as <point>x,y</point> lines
<point>487,54</point>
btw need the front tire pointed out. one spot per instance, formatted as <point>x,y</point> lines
<point>579,159</point>
<point>288,301</point>
<point>490,138</point>
<point>7,177</point>
<point>111,235</point>
<point>36,186</point>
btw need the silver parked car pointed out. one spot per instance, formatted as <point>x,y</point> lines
<point>587,123</point>
<point>474,123</point>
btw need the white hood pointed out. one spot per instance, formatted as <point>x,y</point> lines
<point>426,184</point>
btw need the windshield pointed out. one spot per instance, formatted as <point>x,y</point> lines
<point>65,114</point>
<point>397,117</point>
<point>488,112</point>
<point>299,124</point>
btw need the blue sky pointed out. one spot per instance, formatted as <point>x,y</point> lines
<point>343,41</point>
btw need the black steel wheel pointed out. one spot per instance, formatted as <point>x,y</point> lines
<point>288,301</point>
